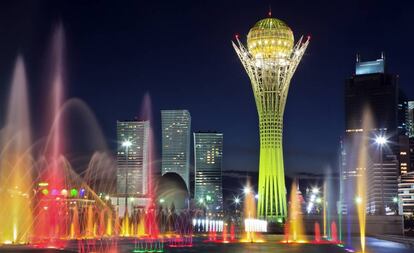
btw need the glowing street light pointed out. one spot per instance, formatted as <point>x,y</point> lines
<point>315,190</point>
<point>395,200</point>
<point>358,200</point>
<point>381,140</point>
<point>237,200</point>
<point>126,143</point>
<point>247,190</point>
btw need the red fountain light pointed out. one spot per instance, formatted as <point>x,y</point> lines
<point>317,233</point>
<point>334,233</point>
<point>232,232</point>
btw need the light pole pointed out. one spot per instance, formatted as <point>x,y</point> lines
<point>381,141</point>
<point>126,144</point>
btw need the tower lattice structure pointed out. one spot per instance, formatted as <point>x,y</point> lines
<point>270,61</point>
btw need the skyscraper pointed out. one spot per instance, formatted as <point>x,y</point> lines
<point>410,130</point>
<point>208,154</point>
<point>410,118</point>
<point>371,89</point>
<point>270,60</point>
<point>132,162</point>
<point>176,129</point>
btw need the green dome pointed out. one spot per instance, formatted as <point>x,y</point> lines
<point>270,38</point>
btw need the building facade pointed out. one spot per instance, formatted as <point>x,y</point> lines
<point>132,164</point>
<point>410,128</point>
<point>208,155</point>
<point>406,194</point>
<point>410,118</point>
<point>176,136</point>
<point>372,111</point>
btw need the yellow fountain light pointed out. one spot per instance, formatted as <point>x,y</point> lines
<point>43,184</point>
<point>270,38</point>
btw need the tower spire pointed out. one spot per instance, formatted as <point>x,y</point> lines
<point>270,11</point>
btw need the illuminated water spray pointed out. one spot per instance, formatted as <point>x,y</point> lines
<point>270,61</point>
<point>295,231</point>
<point>362,163</point>
<point>16,164</point>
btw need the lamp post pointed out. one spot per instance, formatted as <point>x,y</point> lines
<point>381,141</point>
<point>126,144</point>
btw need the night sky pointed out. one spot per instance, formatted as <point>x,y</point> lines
<point>180,53</point>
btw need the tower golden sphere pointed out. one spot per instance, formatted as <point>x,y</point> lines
<point>270,38</point>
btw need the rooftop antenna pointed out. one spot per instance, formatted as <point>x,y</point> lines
<point>270,11</point>
<point>358,57</point>
<point>382,55</point>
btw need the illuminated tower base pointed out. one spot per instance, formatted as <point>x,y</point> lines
<point>270,60</point>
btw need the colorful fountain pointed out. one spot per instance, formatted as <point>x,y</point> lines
<point>294,230</point>
<point>44,201</point>
<point>16,169</point>
<point>361,185</point>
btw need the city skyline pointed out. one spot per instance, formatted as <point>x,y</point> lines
<point>319,81</point>
<point>113,116</point>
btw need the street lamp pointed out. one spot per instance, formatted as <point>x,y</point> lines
<point>236,200</point>
<point>126,144</point>
<point>247,190</point>
<point>315,190</point>
<point>381,140</point>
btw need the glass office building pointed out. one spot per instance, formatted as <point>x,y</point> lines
<point>176,134</point>
<point>132,158</point>
<point>208,154</point>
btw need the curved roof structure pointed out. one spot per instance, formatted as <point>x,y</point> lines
<point>270,38</point>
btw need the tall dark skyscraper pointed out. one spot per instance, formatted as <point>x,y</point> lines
<point>372,89</point>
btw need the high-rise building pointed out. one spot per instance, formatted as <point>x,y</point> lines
<point>406,194</point>
<point>270,60</point>
<point>176,135</point>
<point>410,130</point>
<point>410,118</point>
<point>372,89</point>
<point>208,155</point>
<point>132,163</point>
